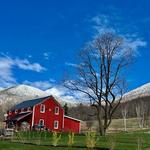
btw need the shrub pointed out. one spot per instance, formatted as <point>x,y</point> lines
<point>112,141</point>
<point>140,143</point>
<point>45,135</point>
<point>38,137</point>
<point>20,137</point>
<point>56,137</point>
<point>91,139</point>
<point>70,139</point>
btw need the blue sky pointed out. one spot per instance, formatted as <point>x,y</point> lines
<point>39,39</point>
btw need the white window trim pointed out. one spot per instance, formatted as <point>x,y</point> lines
<point>57,124</point>
<point>42,121</point>
<point>5,116</point>
<point>10,112</point>
<point>22,109</point>
<point>29,109</point>
<point>56,113</point>
<point>41,107</point>
<point>33,116</point>
<point>16,111</point>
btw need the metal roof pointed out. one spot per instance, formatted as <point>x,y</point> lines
<point>28,103</point>
<point>72,118</point>
<point>19,116</point>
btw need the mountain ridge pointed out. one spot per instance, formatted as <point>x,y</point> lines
<point>22,92</point>
<point>139,92</point>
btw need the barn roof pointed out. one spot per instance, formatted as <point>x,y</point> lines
<point>19,116</point>
<point>29,103</point>
<point>72,118</point>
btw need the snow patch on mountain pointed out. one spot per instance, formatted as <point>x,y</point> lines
<point>25,91</point>
<point>62,95</point>
<point>19,93</point>
<point>142,91</point>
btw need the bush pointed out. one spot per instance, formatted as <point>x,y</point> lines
<point>70,139</point>
<point>91,139</point>
<point>38,137</point>
<point>111,141</point>
<point>20,137</point>
<point>140,142</point>
<point>56,137</point>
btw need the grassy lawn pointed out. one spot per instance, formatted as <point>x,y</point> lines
<point>43,141</point>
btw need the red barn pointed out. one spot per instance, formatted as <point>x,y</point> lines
<point>42,113</point>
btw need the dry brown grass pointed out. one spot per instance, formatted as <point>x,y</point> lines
<point>1,124</point>
<point>117,125</point>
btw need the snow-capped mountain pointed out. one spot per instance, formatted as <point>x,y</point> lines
<point>1,89</point>
<point>142,91</point>
<point>60,92</point>
<point>24,91</point>
<point>19,93</point>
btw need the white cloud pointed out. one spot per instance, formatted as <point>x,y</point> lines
<point>58,91</point>
<point>71,64</point>
<point>29,56</point>
<point>104,23</point>
<point>5,84</point>
<point>26,65</point>
<point>46,55</point>
<point>101,20</point>
<point>65,94</point>
<point>5,69</point>
<point>134,44</point>
<point>39,84</point>
<point>7,65</point>
<point>6,75</point>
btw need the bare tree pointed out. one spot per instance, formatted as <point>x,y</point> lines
<point>66,109</point>
<point>141,109</point>
<point>100,75</point>
<point>89,124</point>
<point>124,110</point>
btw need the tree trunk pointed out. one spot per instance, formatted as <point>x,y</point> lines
<point>101,128</point>
<point>125,123</point>
<point>124,114</point>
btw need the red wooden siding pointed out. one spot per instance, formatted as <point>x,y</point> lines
<point>71,125</point>
<point>13,113</point>
<point>49,115</point>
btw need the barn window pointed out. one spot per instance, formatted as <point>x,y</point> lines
<point>22,110</point>
<point>42,108</point>
<point>56,123</point>
<point>5,116</point>
<point>16,111</point>
<point>56,110</point>
<point>10,113</point>
<point>29,109</point>
<point>41,122</point>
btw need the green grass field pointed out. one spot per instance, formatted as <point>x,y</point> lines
<point>120,140</point>
<point>43,141</point>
